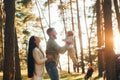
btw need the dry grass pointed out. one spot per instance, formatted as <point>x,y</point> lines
<point>63,76</point>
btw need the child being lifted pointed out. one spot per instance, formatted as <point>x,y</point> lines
<point>71,50</point>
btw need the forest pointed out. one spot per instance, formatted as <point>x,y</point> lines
<point>96,27</point>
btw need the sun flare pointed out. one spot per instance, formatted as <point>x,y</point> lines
<point>117,44</point>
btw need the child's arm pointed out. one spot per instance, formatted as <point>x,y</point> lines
<point>68,41</point>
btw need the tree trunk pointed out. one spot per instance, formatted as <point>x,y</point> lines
<point>17,60</point>
<point>1,36</point>
<point>9,47</point>
<point>80,36</point>
<point>99,37</point>
<point>64,23</point>
<point>89,37</point>
<point>109,52</point>
<point>117,13</point>
<point>73,28</point>
<point>49,13</point>
<point>63,17</point>
<point>42,28</point>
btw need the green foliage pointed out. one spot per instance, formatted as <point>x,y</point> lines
<point>50,2</point>
<point>24,2</point>
<point>26,32</point>
<point>63,6</point>
<point>20,15</point>
<point>23,16</point>
<point>23,19</point>
<point>28,18</point>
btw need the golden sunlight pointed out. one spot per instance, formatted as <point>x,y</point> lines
<point>117,44</point>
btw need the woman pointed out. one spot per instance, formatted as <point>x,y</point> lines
<point>36,59</point>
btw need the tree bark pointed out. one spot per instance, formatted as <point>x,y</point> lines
<point>64,23</point>
<point>9,47</point>
<point>88,37</point>
<point>80,36</point>
<point>17,60</point>
<point>63,16</point>
<point>99,37</point>
<point>1,36</point>
<point>73,28</point>
<point>109,52</point>
<point>49,13</point>
<point>117,13</point>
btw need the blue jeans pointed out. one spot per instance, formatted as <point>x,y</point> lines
<point>52,71</point>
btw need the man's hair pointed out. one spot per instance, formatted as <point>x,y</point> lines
<point>49,30</point>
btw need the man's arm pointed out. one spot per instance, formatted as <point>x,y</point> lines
<point>58,48</point>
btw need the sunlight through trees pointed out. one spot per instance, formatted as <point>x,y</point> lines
<point>95,23</point>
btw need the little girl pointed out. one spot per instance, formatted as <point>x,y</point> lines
<point>71,50</point>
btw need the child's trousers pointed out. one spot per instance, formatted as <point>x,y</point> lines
<point>71,53</point>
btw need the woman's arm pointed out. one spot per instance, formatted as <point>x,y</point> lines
<point>37,57</point>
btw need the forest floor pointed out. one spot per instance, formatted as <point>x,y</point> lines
<point>63,76</point>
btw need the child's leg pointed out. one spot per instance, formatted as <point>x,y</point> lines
<point>71,52</point>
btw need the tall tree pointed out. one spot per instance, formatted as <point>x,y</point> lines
<point>109,52</point>
<point>9,47</point>
<point>80,36</point>
<point>73,28</point>
<point>1,35</point>
<point>117,13</point>
<point>41,25</point>
<point>49,13</point>
<point>99,36</point>
<point>62,7</point>
<point>17,60</point>
<point>88,37</point>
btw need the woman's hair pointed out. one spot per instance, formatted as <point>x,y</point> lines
<point>30,60</point>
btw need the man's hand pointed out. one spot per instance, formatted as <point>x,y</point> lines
<point>49,56</point>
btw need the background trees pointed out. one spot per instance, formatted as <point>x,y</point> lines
<point>92,30</point>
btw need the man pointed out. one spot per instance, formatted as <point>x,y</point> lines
<point>52,53</point>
